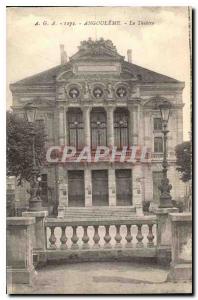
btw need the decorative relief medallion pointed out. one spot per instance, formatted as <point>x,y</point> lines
<point>74,93</point>
<point>90,90</point>
<point>98,92</point>
<point>121,92</point>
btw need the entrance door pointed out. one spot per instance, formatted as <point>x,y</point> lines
<point>157,177</point>
<point>76,188</point>
<point>123,187</point>
<point>100,194</point>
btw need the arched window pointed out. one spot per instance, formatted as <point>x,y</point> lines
<point>121,127</point>
<point>98,128</point>
<point>75,128</point>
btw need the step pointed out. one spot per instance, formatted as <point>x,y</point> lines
<point>90,212</point>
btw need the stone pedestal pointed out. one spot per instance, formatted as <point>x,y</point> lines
<point>164,235</point>
<point>181,247</point>
<point>39,228</point>
<point>20,269</point>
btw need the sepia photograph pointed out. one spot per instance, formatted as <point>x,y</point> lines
<point>99,150</point>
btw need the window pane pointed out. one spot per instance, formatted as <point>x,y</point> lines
<point>75,125</point>
<point>98,128</point>
<point>157,124</point>
<point>121,128</point>
<point>158,144</point>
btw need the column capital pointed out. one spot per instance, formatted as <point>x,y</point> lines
<point>110,108</point>
<point>133,107</point>
<point>86,108</point>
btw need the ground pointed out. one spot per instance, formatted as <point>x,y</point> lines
<point>102,278</point>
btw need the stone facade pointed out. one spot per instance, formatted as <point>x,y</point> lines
<point>97,80</point>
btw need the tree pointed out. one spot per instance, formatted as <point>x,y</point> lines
<point>19,147</point>
<point>184,160</point>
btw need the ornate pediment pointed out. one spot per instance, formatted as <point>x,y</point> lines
<point>154,102</point>
<point>99,49</point>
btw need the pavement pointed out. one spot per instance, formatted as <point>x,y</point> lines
<point>102,278</point>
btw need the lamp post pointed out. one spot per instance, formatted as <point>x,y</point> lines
<point>35,202</point>
<point>165,187</point>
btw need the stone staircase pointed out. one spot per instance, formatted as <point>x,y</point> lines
<point>100,212</point>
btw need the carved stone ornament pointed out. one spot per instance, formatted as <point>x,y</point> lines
<point>90,44</point>
<point>97,92</point>
<point>110,91</point>
<point>121,92</point>
<point>74,92</point>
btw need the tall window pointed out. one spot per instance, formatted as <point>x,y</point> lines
<point>121,128</point>
<point>157,124</point>
<point>158,144</point>
<point>98,128</point>
<point>75,128</point>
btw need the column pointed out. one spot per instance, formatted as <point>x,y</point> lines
<point>61,126</point>
<point>87,129</point>
<point>110,125</point>
<point>133,129</point>
<point>88,187</point>
<point>140,125</point>
<point>66,126</point>
<point>137,188</point>
<point>112,187</point>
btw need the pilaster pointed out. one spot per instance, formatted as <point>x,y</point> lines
<point>137,189</point>
<point>88,188</point>
<point>62,190</point>
<point>112,187</point>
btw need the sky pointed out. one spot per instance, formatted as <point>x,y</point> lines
<point>161,46</point>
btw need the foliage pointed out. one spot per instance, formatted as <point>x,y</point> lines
<point>19,147</point>
<point>184,160</point>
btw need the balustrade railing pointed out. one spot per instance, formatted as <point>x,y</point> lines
<point>100,234</point>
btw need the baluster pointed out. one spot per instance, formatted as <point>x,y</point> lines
<point>63,238</point>
<point>128,236</point>
<point>107,237</point>
<point>52,238</point>
<point>150,236</point>
<point>96,237</point>
<point>74,238</point>
<point>139,236</point>
<point>118,237</point>
<point>85,238</point>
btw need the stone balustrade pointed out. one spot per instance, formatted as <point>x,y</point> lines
<point>100,233</point>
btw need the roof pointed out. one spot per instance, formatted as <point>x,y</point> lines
<point>95,50</point>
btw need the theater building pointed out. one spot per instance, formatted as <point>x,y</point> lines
<point>97,98</point>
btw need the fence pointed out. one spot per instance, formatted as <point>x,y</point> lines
<point>70,240</point>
